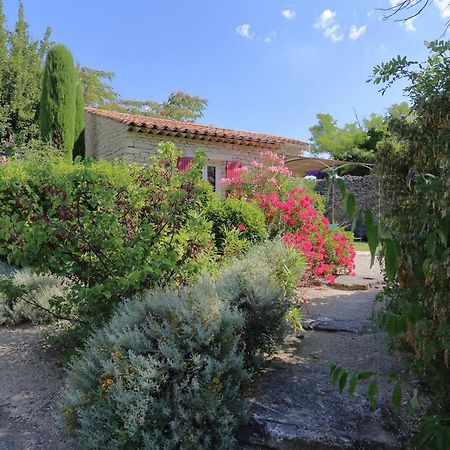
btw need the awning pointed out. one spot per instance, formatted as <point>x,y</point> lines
<point>301,164</point>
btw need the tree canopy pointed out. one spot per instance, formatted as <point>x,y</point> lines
<point>99,93</point>
<point>355,141</point>
<point>21,62</point>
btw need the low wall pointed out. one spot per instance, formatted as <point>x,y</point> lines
<point>366,191</point>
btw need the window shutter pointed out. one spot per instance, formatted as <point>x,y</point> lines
<point>183,163</point>
<point>231,167</point>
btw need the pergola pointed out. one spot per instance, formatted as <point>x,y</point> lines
<point>300,165</point>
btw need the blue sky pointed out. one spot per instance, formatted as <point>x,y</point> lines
<point>264,65</point>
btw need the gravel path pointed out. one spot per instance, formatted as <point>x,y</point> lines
<point>30,380</point>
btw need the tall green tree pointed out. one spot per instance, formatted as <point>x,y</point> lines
<point>57,106</point>
<point>356,141</point>
<point>179,106</point>
<point>97,89</point>
<point>78,147</point>
<point>182,106</point>
<point>99,93</point>
<point>20,79</point>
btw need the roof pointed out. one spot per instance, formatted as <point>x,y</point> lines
<point>152,124</point>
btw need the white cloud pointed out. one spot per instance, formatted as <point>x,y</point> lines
<point>245,31</point>
<point>408,25</point>
<point>271,36</point>
<point>444,8</point>
<point>334,33</point>
<point>289,14</point>
<point>328,24</point>
<point>326,19</point>
<point>356,32</point>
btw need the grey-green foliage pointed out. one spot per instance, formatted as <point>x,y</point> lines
<point>165,373</point>
<point>58,100</point>
<point>30,293</point>
<point>262,286</point>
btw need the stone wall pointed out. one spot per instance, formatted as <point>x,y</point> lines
<point>366,191</point>
<point>104,138</point>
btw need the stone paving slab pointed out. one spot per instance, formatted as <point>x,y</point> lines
<point>293,403</point>
<point>295,406</point>
<point>366,277</point>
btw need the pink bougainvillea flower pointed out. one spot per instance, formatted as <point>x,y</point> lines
<point>291,213</point>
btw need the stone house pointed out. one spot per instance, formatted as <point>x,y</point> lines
<point>112,135</point>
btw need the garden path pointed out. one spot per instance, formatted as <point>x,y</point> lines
<point>295,406</point>
<point>30,380</point>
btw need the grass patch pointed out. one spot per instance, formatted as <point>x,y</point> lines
<point>361,246</point>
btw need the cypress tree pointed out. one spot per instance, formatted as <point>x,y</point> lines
<point>78,148</point>
<point>57,107</point>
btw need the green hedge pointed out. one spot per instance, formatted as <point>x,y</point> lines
<point>236,214</point>
<point>113,229</point>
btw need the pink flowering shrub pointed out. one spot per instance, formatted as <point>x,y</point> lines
<point>265,176</point>
<point>327,251</point>
<point>292,213</point>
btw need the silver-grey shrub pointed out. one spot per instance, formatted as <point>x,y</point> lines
<point>36,292</point>
<point>165,373</point>
<point>262,286</point>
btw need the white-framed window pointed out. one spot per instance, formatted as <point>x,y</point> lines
<point>211,174</point>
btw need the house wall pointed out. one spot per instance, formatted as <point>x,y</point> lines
<point>109,139</point>
<point>104,138</point>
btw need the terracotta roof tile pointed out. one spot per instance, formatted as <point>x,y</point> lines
<point>193,129</point>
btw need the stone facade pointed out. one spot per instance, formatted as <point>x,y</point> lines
<point>367,191</point>
<point>109,139</point>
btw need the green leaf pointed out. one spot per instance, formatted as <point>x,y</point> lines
<point>431,243</point>
<point>392,376</point>
<point>365,375</point>
<point>349,204</point>
<point>414,401</point>
<point>352,384</point>
<point>342,187</point>
<point>337,372</point>
<point>397,398</point>
<point>426,267</point>
<point>391,258</point>
<point>332,368</point>
<point>343,380</point>
<point>372,393</point>
<point>373,234</point>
